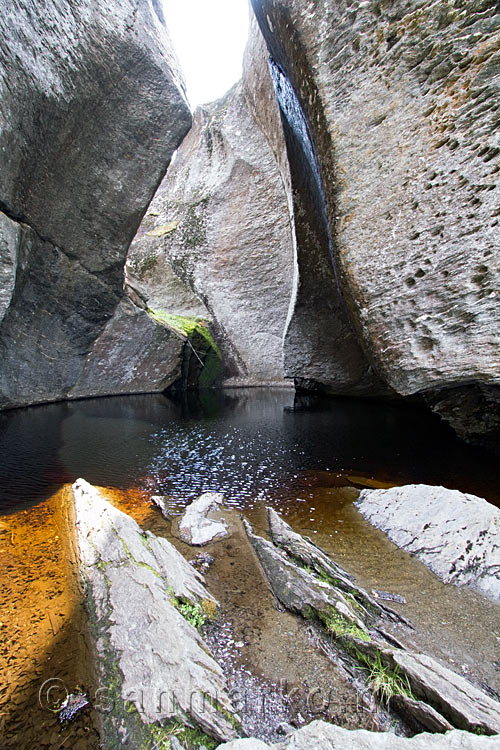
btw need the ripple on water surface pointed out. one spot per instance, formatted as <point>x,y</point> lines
<point>257,447</point>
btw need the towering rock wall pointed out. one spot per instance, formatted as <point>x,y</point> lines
<point>220,220</point>
<point>401,102</point>
<point>92,110</point>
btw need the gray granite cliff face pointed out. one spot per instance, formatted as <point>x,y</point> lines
<point>347,241</point>
<point>92,110</point>
<point>220,221</point>
<point>400,102</point>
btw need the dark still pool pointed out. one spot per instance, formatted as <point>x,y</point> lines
<point>248,443</point>
<point>258,447</point>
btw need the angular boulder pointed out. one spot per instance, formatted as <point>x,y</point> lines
<point>151,658</point>
<point>133,354</point>
<point>201,522</point>
<point>456,535</point>
<point>298,589</point>
<point>92,110</point>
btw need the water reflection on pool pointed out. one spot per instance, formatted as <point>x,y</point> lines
<point>247,443</point>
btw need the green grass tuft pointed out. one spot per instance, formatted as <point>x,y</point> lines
<point>191,738</point>
<point>385,682</point>
<point>193,613</point>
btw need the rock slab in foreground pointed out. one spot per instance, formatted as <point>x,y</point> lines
<point>322,736</point>
<point>449,696</point>
<point>298,589</point>
<point>148,655</point>
<point>456,535</point>
<point>464,705</point>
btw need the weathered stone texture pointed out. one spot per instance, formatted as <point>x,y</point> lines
<point>160,287</point>
<point>92,109</point>
<point>401,102</point>
<point>147,652</point>
<point>455,534</point>
<point>224,212</point>
<point>318,735</point>
<point>320,345</point>
<point>9,242</point>
<point>132,355</point>
<point>202,522</point>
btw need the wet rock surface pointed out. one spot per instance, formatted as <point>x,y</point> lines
<point>278,675</point>
<point>451,699</point>
<point>455,534</point>
<point>298,589</point>
<point>93,109</point>
<point>149,656</point>
<point>320,347</point>
<point>302,549</point>
<point>457,700</point>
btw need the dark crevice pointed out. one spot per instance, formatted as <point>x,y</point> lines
<point>295,121</point>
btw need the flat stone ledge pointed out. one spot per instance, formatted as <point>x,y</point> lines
<point>456,535</point>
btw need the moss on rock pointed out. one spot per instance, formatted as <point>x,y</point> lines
<point>200,346</point>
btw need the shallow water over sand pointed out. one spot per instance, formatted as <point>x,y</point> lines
<point>258,447</point>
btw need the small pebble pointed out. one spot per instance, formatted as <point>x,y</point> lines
<point>283,728</point>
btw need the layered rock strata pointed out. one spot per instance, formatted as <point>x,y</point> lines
<point>430,694</point>
<point>151,659</point>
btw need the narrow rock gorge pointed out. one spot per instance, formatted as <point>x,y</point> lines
<point>332,217</point>
<point>390,177</point>
<point>287,533</point>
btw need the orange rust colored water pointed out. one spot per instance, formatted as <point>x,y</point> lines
<point>44,650</point>
<point>42,630</point>
<point>43,625</point>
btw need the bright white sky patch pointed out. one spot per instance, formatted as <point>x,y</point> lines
<point>209,37</point>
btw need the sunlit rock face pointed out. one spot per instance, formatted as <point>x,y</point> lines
<point>220,221</point>
<point>92,110</point>
<point>400,100</point>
